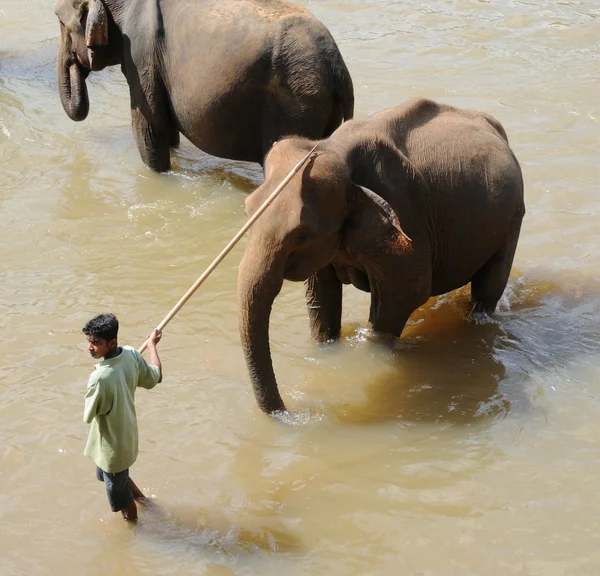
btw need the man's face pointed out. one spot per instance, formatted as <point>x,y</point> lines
<point>99,347</point>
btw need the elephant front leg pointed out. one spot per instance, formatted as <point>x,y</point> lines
<point>174,138</point>
<point>324,301</point>
<point>150,109</point>
<point>153,140</point>
<point>391,309</point>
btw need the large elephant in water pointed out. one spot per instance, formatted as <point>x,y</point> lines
<point>232,76</point>
<point>416,201</point>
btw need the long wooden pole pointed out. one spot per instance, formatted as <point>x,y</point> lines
<point>230,246</point>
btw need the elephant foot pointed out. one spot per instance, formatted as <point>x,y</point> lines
<point>479,315</point>
<point>384,339</point>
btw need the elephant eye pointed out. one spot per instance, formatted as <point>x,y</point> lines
<point>304,235</point>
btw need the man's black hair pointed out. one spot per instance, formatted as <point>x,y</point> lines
<point>105,326</point>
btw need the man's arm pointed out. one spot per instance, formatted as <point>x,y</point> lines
<point>95,401</point>
<point>151,370</point>
<point>154,360</point>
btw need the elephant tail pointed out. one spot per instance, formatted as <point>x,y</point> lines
<point>343,89</point>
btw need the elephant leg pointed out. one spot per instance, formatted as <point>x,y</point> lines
<point>388,320</point>
<point>324,301</point>
<point>288,114</point>
<point>391,307</point>
<point>489,282</point>
<point>152,141</point>
<point>174,138</point>
<point>150,115</point>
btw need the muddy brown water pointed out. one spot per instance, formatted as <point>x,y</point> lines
<point>468,450</point>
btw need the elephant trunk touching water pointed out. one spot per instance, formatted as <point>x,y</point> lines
<point>257,293</point>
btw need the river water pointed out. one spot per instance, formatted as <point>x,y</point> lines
<point>469,450</point>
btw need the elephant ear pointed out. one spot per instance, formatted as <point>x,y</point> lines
<point>96,27</point>
<point>373,222</point>
<point>66,14</point>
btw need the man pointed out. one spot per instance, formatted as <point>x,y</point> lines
<point>110,409</point>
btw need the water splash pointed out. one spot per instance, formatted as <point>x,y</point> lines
<point>299,418</point>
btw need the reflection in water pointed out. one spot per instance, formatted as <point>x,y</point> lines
<point>189,162</point>
<point>447,368</point>
<point>212,532</point>
<point>447,377</point>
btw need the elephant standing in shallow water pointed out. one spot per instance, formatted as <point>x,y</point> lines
<point>416,201</point>
<point>232,76</point>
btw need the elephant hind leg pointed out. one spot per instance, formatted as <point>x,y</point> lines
<point>334,121</point>
<point>174,139</point>
<point>489,282</point>
<point>173,127</point>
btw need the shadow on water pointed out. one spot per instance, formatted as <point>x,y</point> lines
<point>206,532</point>
<point>447,369</point>
<point>191,163</point>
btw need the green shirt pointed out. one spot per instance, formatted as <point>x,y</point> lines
<point>110,408</point>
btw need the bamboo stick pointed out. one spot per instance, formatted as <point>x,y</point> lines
<point>229,246</point>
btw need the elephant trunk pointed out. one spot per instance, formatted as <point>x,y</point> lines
<point>71,85</point>
<point>259,283</point>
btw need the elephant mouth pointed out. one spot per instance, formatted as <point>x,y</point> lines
<point>100,57</point>
<point>296,277</point>
<point>296,272</point>
<point>306,261</point>
<point>83,70</point>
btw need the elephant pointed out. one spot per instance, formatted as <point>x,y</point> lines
<point>413,202</point>
<point>232,76</point>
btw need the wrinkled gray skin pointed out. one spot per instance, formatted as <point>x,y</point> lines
<point>414,202</point>
<point>233,76</point>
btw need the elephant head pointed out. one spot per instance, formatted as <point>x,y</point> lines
<point>83,46</point>
<point>320,212</point>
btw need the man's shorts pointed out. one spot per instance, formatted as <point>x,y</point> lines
<point>118,488</point>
